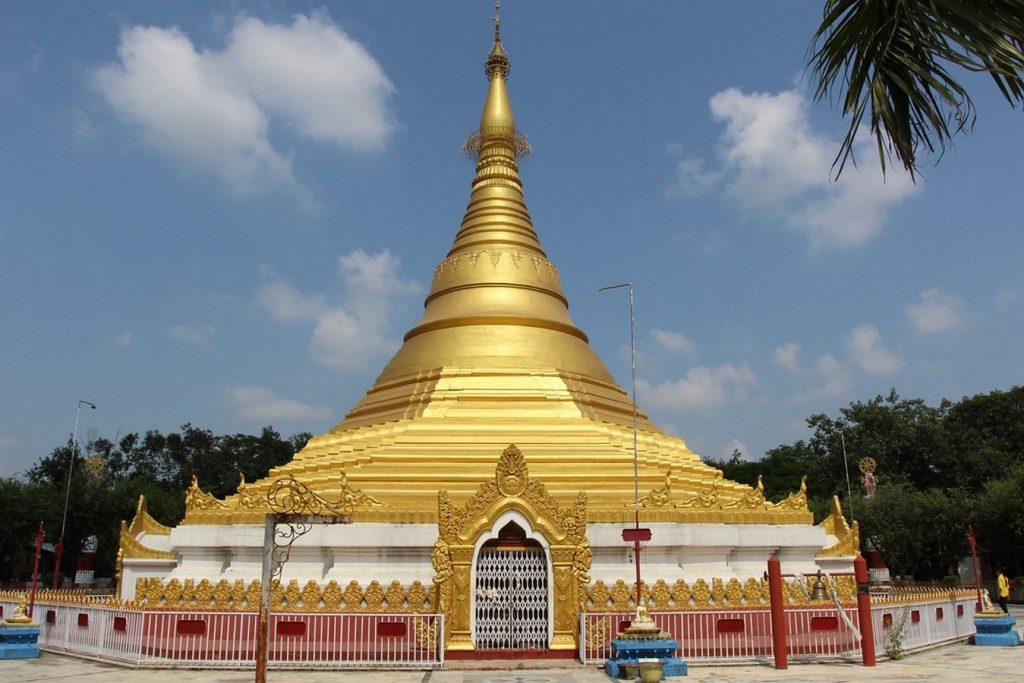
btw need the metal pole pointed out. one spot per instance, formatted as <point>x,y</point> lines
<point>846,466</point>
<point>636,465</point>
<point>263,628</point>
<point>67,493</point>
<point>40,536</point>
<point>973,540</point>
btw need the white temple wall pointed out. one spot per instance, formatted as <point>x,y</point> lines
<point>402,552</point>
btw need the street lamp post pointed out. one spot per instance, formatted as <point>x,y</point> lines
<point>59,550</point>
<point>636,534</point>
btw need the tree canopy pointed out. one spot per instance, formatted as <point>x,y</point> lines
<point>941,468</point>
<point>108,478</point>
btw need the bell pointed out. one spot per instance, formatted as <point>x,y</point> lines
<point>819,592</point>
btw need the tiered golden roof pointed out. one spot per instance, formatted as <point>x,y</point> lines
<point>496,360</point>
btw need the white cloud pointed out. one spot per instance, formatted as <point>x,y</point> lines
<point>261,403</point>
<point>701,388</point>
<point>346,337</point>
<point>936,312</point>
<point>773,161</point>
<point>1008,296</point>
<point>826,376</point>
<point>734,444</point>
<point>831,379</point>
<point>126,339</point>
<point>865,348</point>
<point>192,334</point>
<point>788,356</point>
<point>691,180</point>
<point>676,342</point>
<point>213,110</point>
<point>285,303</point>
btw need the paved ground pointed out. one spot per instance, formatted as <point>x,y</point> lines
<point>949,664</point>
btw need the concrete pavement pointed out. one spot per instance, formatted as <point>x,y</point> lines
<point>949,664</point>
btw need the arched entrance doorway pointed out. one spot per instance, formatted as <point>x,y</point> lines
<point>463,550</point>
<point>511,592</point>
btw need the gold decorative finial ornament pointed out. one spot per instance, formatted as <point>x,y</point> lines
<point>867,465</point>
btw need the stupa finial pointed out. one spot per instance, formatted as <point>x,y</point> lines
<point>497,60</point>
<point>497,121</point>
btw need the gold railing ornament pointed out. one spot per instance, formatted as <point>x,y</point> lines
<point>661,596</point>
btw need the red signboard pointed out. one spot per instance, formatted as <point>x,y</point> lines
<point>729,626</point>
<point>391,628</point>
<point>191,627</point>
<point>824,624</point>
<point>633,535</point>
<point>291,628</point>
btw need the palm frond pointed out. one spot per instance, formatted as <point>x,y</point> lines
<point>890,60</point>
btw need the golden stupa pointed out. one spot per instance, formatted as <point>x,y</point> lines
<point>494,426</point>
<point>496,359</point>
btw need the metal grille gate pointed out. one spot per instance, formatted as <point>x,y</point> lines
<point>511,599</point>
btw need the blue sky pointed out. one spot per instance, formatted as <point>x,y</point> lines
<point>228,213</point>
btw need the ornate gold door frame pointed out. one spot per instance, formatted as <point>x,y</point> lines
<point>461,531</point>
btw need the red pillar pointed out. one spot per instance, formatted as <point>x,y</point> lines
<point>778,615</point>
<point>867,629</point>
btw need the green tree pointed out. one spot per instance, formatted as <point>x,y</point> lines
<point>999,519</point>
<point>897,62</point>
<point>920,532</point>
<point>22,507</point>
<point>108,478</point>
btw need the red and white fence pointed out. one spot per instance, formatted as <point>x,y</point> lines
<point>414,641</point>
<point>228,639</point>
<point>720,636</point>
<point>918,625</point>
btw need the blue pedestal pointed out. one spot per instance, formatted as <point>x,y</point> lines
<point>19,642</point>
<point>997,631</point>
<point>632,651</point>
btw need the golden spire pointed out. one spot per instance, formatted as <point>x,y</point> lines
<point>495,360</point>
<point>497,60</point>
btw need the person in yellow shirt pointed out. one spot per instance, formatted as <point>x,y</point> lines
<point>1003,588</point>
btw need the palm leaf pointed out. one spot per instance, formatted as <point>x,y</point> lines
<point>890,60</point>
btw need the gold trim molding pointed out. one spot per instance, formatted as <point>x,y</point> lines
<point>132,549</point>
<point>142,522</point>
<point>239,596</point>
<point>249,504</point>
<point>708,506</point>
<point>460,529</point>
<point>718,594</point>
<point>835,524</point>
